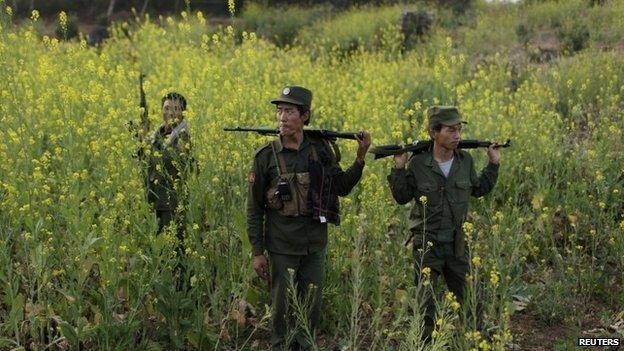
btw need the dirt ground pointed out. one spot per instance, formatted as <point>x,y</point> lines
<point>529,333</point>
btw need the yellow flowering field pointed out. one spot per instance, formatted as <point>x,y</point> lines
<point>82,267</point>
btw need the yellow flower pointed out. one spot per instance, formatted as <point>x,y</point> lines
<point>63,20</point>
<point>499,216</point>
<point>423,200</point>
<point>467,227</point>
<point>450,297</point>
<point>484,345</point>
<point>494,277</point>
<point>476,261</point>
<point>426,271</point>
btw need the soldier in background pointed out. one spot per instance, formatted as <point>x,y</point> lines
<point>169,163</point>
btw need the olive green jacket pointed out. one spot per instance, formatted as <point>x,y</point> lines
<point>168,165</point>
<point>268,229</point>
<point>446,197</point>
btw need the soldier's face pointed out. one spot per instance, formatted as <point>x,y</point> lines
<point>172,111</point>
<point>289,119</point>
<point>448,137</point>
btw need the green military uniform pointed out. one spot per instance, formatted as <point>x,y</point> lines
<point>294,232</point>
<point>440,220</point>
<point>168,165</point>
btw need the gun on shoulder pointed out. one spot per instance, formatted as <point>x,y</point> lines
<point>326,134</point>
<point>420,146</point>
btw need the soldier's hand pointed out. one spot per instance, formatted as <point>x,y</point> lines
<point>364,142</point>
<point>261,266</point>
<point>400,160</point>
<point>493,153</point>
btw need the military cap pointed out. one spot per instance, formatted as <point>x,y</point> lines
<point>295,95</point>
<point>445,115</point>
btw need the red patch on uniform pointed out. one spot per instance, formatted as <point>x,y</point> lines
<point>252,177</point>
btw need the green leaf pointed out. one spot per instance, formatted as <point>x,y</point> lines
<point>153,346</point>
<point>69,332</point>
<point>17,309</point>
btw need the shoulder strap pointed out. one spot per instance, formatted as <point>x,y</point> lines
<point>337,154</point>
<point>314,153</point>
<point>279,159</point>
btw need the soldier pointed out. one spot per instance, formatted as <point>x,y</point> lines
<point>441,181</point>
<point>293,193</point>
<point>169,163</point>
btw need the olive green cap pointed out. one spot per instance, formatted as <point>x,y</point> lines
<point>296,95</point>
<point>446,115</point>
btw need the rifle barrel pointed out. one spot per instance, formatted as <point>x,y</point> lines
<point>321,133</point>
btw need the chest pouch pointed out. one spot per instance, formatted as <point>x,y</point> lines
<point>289,192</point>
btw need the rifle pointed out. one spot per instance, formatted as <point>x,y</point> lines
<point>141,130</point>
<point>326,134</point>
<point>420,146</point>
<point>143,104</point>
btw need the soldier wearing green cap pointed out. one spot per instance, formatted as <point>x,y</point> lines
<point>441,182</point>
<point>293,194</point>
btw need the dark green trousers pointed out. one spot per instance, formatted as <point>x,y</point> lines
<point>442,261</point>
<point>308,273</point>
<point>166,216</point>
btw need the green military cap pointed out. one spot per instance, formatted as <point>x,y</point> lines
<point>295,95</point>
<point>446,115</point>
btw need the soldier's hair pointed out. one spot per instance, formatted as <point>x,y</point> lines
<point>302,110</point>
<point>435,127</point>
<point>175,97</point>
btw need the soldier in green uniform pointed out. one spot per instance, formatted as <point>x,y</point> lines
<point>168,164</point>
<point>441,182</point>
<point>293,194</point>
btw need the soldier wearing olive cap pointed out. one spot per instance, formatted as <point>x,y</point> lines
<point>293,193</point>
<point>441,181</point>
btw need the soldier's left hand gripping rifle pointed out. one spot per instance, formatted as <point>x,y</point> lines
<point>140,131</point>
<point>420,146</point>
<point>326,134</point>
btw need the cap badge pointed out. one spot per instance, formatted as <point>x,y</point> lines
<point>286,91</point>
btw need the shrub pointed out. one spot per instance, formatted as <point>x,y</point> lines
<point>281,24</point>
<point>358,28</point>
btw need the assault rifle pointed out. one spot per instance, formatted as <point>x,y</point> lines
<point>420,146</point>
<point>326,134</point>
<point>143,128</point>
<point>143,104</point>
